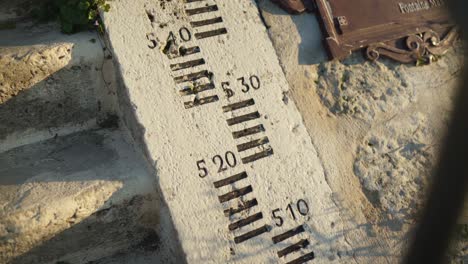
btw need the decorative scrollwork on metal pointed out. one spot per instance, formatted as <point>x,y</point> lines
<point>419,47</point>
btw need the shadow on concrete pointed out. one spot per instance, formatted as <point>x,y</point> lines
<point>311,49</point>
<point>108,234</point>
<point>115,232</point>
<point>62,158</point>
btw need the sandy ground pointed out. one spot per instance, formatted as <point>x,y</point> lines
<point>376,126</point>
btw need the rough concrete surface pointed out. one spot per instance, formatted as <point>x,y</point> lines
<point>376,126</point>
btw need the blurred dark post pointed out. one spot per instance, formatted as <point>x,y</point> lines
<point>447,196</point>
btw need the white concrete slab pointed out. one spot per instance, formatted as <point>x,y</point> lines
<point>179,136</point>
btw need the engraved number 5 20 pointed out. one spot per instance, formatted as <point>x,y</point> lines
<point>222,163</point>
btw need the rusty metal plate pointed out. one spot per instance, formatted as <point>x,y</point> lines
<point>405,30</point>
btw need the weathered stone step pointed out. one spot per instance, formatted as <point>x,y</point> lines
<point>71,189</point>
<point>50,84</point>
<point>77,199</point>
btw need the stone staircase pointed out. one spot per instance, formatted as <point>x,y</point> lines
<point>73,186</point>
